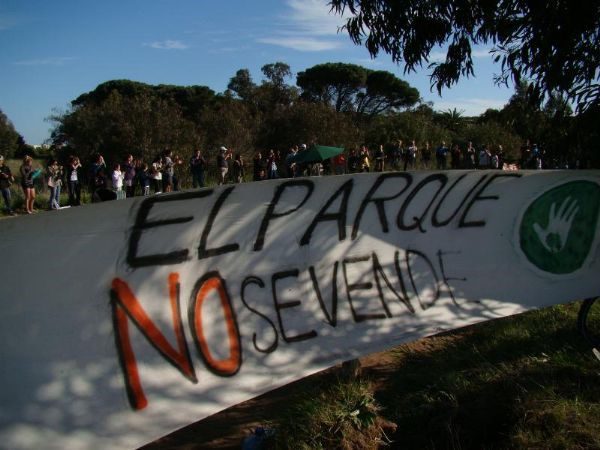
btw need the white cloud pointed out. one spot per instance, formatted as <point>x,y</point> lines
<point>167,45</point>
<point>371,62</point>
<point>303,44</point>
<point>307,26</point>
<point>313,17</point>
<point>470,106</point>
<point>50,61</point>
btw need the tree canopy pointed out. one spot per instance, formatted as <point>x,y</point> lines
<point>12,143</point>
<point>555,44</point>
<point>120,117</point>
<point>8,137</point>
<point>349,87</point>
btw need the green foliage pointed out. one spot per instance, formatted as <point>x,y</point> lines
<point>242,85</point>
<point>493,134</point>
<point>340,105</point>
<point>276,73</point>
<point>405,126</point>
<point>306,122</point>
<point>553,43</point>
<point>230,123</point>
<point>334,416</point>
<point>348,87</point>
<point>502,384</point>
<point>142,125</point>
<point>9,138</point>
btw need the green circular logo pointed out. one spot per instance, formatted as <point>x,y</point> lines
<point>558,229</point>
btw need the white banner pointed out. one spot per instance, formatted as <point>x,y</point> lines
<point>123,321</point>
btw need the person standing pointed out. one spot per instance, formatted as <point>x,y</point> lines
<point>54,175</point>
<point>95,167</point>
<point>500,154</point>
<point>397,155</point>
<point>365,165</point>
<point>411,156</point>
<point>238,169</point>
<point>156,174</point>
<point>74,181</point>
<point>6,179</point>
<point>426,155</point>
<point>339,164</point>
<point>470,156</point>
<point>258,168</point>
<point>197,168</point>
<point>27,175</point>
<point>379,159</point>
<point>222,164</point>
<point>272,169</point>
<point>495,161</point>
<point>290,162</point>
<point>455,155</point>
<point>484,158</point>
<point>117,182</point>
<point>168,171</point>
<point>129,176</point>
<point>144,177</point>
<point>440,156</point>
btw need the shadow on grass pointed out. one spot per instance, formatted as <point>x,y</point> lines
<point>523,382</point>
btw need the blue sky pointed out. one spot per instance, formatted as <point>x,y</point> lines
<point>51,52</point>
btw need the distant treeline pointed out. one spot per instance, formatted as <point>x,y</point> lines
<point>332,104</point>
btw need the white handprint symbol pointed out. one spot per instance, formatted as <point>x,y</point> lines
<point>554,236</point>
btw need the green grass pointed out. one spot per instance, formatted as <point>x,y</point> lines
<point>338,412</point>
<point>529,381</point>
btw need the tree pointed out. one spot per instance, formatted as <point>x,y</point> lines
<point>452,119</point>
<point>348,87</point>
<point>274,91</point>
<point>555,44</point>
<point>9,138</point>
<point>242,85</point>
<point>276,73</point>
<point>307,122</point>
<point>384,92</point>
<point>524,117</point>
<point>332,83</point>
<point>143,124</point>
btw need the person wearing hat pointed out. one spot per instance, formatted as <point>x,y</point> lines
<point>6,179</point>
<point>222,164</point>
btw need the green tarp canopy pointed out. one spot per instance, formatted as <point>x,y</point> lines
<point>317,153</point>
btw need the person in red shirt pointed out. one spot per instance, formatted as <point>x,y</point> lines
<point>339,164</point>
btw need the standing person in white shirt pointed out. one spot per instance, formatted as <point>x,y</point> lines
<point>117,182</point>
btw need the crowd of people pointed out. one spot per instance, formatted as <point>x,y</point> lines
<point>133,177</point>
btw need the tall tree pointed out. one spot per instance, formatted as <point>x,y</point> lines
<point>242,85</point>
<point>383,92</point>
<point>274,89</point>
<point>276,73</point>
<point>349,87</point>
<point>143,124</point>
<point>332,83</point>
<point>9,138</point>
<point>555,44</point>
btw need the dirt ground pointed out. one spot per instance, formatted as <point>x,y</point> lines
<point>228,428</point>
